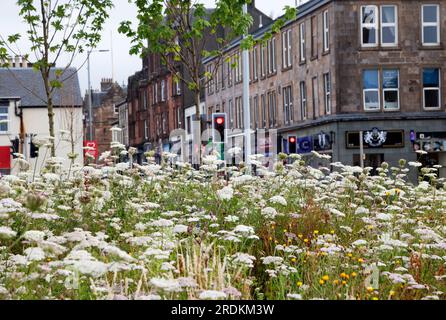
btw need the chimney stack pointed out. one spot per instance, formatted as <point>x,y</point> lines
<point>106,84</point>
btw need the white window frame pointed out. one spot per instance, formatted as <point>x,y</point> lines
<point>432,89</point>
<point>390,90</point>
<point>302,46</point>
<point>369,25</point>
<point>303,100</point>
<point>327,92</point>
<point>163,90</point>
<point>5,116</point>
<point>326,31</point>
<point>371,90</point>
<point>284,50</point>
<point>288,104</point>
<point>262,60</point>
<point>430,24</point>
<point>389,24</point>
<point>287,47</point>
<point>255,74</point>
<point>231,112</point>
<point>146,130</point>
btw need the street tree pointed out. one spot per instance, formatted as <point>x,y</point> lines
<point>56,30</point>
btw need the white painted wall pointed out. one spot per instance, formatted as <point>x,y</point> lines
<point>36,122</point>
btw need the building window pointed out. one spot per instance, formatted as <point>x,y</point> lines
<point>315,96</point>
<point>369,26</point>
<point>155,93</point>
<point>239,113</point>
<point>222,74</point>
<point>229,71</point>
<point>238,68</point>
<point>431,88</point>
<point>262,60</point>
<point>327,93</point>
<point>287,49</point>
<point>189,125</point>
<point>210,79</point>
<point>272,56</point>
<point>302,48</point>
<point>163,90</point>
<point>314,37</point>
<point>303,100</point>
<point>272,109</point>
<point>431,24</point>
<point>370,83</point>
<point>263,97</point>
<point>288,109</point>
<point>256,112</point>
<point>4,116</point>
<point>326,31</point>
<point>144,100</point>
<point>165,123</point>
<point>146,130</point>
<point>231,113</point>
<point>389,26</point>
<point>217,78</point>
<point>391,84</point>
<point>255,74</point>
<point>176,86</point>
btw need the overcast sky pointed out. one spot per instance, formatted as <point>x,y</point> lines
<point>125,64</point>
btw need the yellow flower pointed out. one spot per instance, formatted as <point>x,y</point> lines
<point>300,235</point>
<point>316,231</point>
<point>299,283</point>
<point>276,242</point>
<point>392,293</point>
<point>332,231</point>
<point>336,282</point>
<point>370,289</point>
<point>343,274</point>
<point>370,227</point>
<point>360,260</point>
<point>321,281</point>
<point>349,255</point>
<point>306,240</point>
<point>285,230</point>
<point>325,278</point>
<point>354,274</point>
<point>344,282</point>
<point>323,253</point>
<point>270,238</point>
<point>375,298</point>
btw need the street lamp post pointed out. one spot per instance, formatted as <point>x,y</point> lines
<point>90,92</point>
<point>246,106</point>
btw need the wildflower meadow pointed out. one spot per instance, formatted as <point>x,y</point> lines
<point>169,231</point>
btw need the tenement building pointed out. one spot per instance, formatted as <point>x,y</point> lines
<point>158,103</point>
<point>342,69</point>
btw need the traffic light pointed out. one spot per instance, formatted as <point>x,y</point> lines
<point>218,126</point>
<point>292,144</point>
<point>15,147</point>
<point>33,150</point>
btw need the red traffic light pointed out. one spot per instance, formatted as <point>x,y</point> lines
<point>292,139</point>
<point>220,120</point>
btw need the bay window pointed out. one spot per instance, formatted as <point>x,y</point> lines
<point>326,31</point>
<point>327,93</point>
<point>391,84</point>
<point>431,88</point>
<point>302,48</point>
<point>430,24</point>
<point>303,100</point>
<point>369,26</point>
<point>370,84</point>
<point>389,26</point>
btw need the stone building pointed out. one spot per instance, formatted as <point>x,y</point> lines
<point>342,67</point>
<point>105,107</point>
<point>158,104</point>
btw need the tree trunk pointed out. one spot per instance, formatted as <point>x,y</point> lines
<point>51,125</point>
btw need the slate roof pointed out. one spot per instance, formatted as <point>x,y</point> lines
<point>27,84</point>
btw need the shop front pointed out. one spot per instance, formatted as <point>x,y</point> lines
<point>434,146</point>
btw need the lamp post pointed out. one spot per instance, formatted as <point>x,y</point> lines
<point>90,91</point>
<point>246,106</point>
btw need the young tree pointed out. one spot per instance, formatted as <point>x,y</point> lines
<point>57,28</point>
